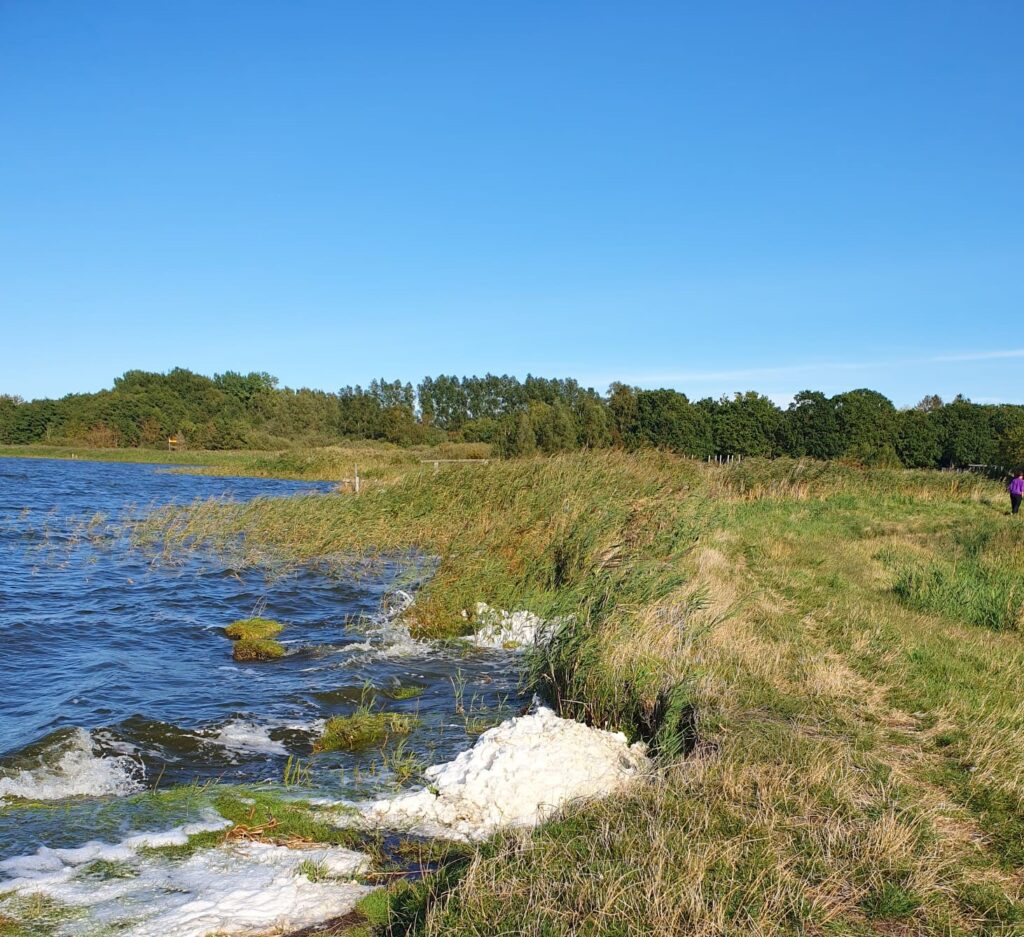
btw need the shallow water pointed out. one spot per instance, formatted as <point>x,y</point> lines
<point>117,677</point>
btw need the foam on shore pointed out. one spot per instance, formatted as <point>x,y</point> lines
<point>238,888</point>
<point>517,774</point>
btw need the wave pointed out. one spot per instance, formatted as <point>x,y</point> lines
<point>69,767</point>
<point>247,738</point>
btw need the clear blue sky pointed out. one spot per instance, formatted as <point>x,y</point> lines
<point>708,196</point>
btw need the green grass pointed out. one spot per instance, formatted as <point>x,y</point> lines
<point>253,628</point>
<point>197,841</point>
<point>34,916</point>
<point>314,871</point>
<point>969,593</point>
<point>975,580</point>
<point>835,757</point>
<point>363,728</point>
<point>109,869</point>
<point>254,639</point>
<point>264,814</point>
<point>404,692</point>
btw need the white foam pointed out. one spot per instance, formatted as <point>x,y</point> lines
<point>247,738</point>
<point>391,638</point>
<point>509,630</point>
<point>29,873</point>
<point>387,634</point>
<point>517,774</point>
<point>74,772</point>
<point>396,603</point>
<point>238,888</point>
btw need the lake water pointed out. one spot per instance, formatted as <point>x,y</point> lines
<point>116,675</point>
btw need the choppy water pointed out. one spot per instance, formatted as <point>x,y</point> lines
<point>115,675</point>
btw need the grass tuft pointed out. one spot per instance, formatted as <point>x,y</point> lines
<point>253,649</point>
<point>253,628</point>
<point>404,692</point>
<point>254,639</point>
<point>363,728</point>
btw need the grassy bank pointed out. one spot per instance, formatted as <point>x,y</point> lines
<point>377,463</point>
<point>840,737</point>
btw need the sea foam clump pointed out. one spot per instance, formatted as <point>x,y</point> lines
<point>501,629</point>
<point>70,769</point>
<point>517,774</point>
<point>238,888</point>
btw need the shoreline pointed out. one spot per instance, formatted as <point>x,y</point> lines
<point>824,661</point>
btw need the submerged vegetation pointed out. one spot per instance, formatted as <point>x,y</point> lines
<point>254,639</point>
<point>839,730</point>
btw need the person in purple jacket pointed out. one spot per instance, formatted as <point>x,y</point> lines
<point>1016,490</point>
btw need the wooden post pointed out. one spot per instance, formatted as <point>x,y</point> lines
<point>357,479</point>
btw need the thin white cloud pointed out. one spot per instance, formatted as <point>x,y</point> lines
<point>981,355</point>
<point>817,367</point>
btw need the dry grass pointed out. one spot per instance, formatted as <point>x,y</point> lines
<point>856,761</point>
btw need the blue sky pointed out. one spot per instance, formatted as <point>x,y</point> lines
<point>712,197</point>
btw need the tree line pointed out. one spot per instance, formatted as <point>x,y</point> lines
<point>238,411</point>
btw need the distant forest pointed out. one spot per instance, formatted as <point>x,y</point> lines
<point>250,411</point>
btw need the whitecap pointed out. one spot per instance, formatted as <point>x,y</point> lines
<point>247,738</point>
<point>71,769</point>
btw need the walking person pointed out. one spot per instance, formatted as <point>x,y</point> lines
<point>1016,490</point>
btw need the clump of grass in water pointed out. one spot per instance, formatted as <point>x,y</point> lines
<point>296,773</point>
<point>254,639</point>
<point>362,728</point>
<point>404,765</point>
<point>404,692</point>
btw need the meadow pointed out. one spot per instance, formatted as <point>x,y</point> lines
<point>826,660</point>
